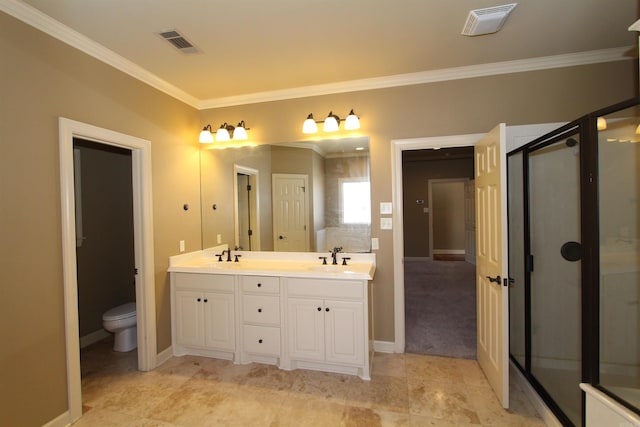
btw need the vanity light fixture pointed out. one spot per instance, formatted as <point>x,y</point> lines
<point>225,132</point>
<point>601,123</point>
<point>331,123</point>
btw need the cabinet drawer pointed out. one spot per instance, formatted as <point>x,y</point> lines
<point>205,282</point>
<point>260,284</point>
<point>262,340</point>
<point>261,309</point>
<point>325,288</point>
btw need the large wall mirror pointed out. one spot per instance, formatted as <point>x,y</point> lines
<point>297,196</point>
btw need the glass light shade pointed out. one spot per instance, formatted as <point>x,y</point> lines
<point>309,125</point>
<point>206,137</point>
<point>240,133</point>
<point>601,123</point>
<point>352,122</point>
<point>330,123</point>
<point>222,134</point>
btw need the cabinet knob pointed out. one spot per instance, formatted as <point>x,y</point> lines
<point>259,285</point>
<point>259,310</point>
<point>326,309</point>
<point>206,300</point>
<point>319,308</point>
<point>199,300</point>
<point>260,341</point>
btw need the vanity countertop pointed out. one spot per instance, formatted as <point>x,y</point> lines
<point>289,264</point>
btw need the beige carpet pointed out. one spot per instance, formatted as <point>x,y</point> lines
<point>440,308</point>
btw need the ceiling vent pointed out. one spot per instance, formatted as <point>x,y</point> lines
<point>486,21</point>
<point>178,41</point>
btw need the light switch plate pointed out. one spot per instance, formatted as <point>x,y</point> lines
<point>375,244</point>
<point>385,224</point>
<point>386,208</point>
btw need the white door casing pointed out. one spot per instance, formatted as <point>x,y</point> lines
<point>143,248</point>
<point>491,256</point>
<point>290,212</point>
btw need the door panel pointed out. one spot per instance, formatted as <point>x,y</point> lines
<point>554,210</point>
<point>491,254</point>
<point>290,213</point>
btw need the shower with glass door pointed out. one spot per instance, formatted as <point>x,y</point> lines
<point>574,229</point>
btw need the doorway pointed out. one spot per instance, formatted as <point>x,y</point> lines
<point>143,247</point>
<point>246,208</point>
<point>440,290</point>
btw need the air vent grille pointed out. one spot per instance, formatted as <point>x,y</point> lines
<point>178,41</point>
<point>486,21</point>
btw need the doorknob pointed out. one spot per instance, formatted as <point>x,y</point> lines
<point>496,279</point>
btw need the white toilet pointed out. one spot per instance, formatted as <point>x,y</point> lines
<point>122,321</point>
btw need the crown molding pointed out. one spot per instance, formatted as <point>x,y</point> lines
<point>33,17</point>
<point>433,76</point>
<point>46,24</point>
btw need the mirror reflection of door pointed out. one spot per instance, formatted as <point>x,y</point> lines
<point>247,228</point>
<point>290,212</point>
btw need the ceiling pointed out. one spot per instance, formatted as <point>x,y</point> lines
<point>252,50</point>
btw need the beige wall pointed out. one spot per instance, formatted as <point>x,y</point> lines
<point>42,79</point>
<point>448,215</point>
<point>438,109</point>
<point>415,178</point>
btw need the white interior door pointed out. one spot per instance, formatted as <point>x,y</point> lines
<point>491,261</point>
<point>290,212</point>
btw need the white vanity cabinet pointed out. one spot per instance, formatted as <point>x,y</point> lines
<point>285,309</point>
<point>260,318</point>
<point>328,325</point>
<point>204,315</point>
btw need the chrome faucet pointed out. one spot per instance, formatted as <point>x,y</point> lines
<point>334,254</point>
<point>228,251</point>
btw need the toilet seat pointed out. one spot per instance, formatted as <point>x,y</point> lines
<point>120,312</point>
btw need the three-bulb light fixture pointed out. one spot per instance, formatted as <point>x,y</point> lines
<point>224,133</point>
<point>331,123</point>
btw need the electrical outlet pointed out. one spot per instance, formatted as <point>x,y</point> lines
<point>181,245</point>
<point>375,243</point>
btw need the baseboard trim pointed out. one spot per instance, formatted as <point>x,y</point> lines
<point>536,401</point>
<point>61,420</point>
<point>164,355</point>
<point>449,251</point>
<point>384,346</point>
<point>93,337</point>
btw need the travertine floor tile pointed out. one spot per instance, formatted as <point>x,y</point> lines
<point>405,390</point>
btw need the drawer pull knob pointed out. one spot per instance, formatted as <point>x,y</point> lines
<point>199,299</point>
<point>326,309</point>
<point>259,310</point>
<point>319,308</point>
<point>260,341</point>
<point>206,300</point>
<point>259,285</point>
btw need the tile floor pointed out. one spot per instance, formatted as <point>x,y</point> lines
<point>405,390</point>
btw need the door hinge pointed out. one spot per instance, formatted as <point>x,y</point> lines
<point>248,187</point>
<point>135,271</point>
<point>250,232</point>
<point>529,264</point>
<point>304,189</point>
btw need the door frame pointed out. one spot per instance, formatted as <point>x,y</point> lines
<point>397,147</point>
<point>430,184</point>
<point>254,175</point>
<point>143,248</point>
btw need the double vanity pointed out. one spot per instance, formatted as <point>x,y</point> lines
<point>288,309</point>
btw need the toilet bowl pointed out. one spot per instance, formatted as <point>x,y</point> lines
<point>122,321</point>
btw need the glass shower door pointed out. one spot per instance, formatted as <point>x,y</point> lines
<point>555,266</point>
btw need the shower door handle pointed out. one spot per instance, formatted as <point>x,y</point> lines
<point>496,279</point>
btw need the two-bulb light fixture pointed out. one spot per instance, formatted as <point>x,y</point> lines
<point>224,133</point>
<point>331,123</point>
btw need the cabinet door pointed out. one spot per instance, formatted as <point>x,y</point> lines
<point>219,321</point>
<point>344,332</point>
<point>305,328</point>
<point>189,326</point>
